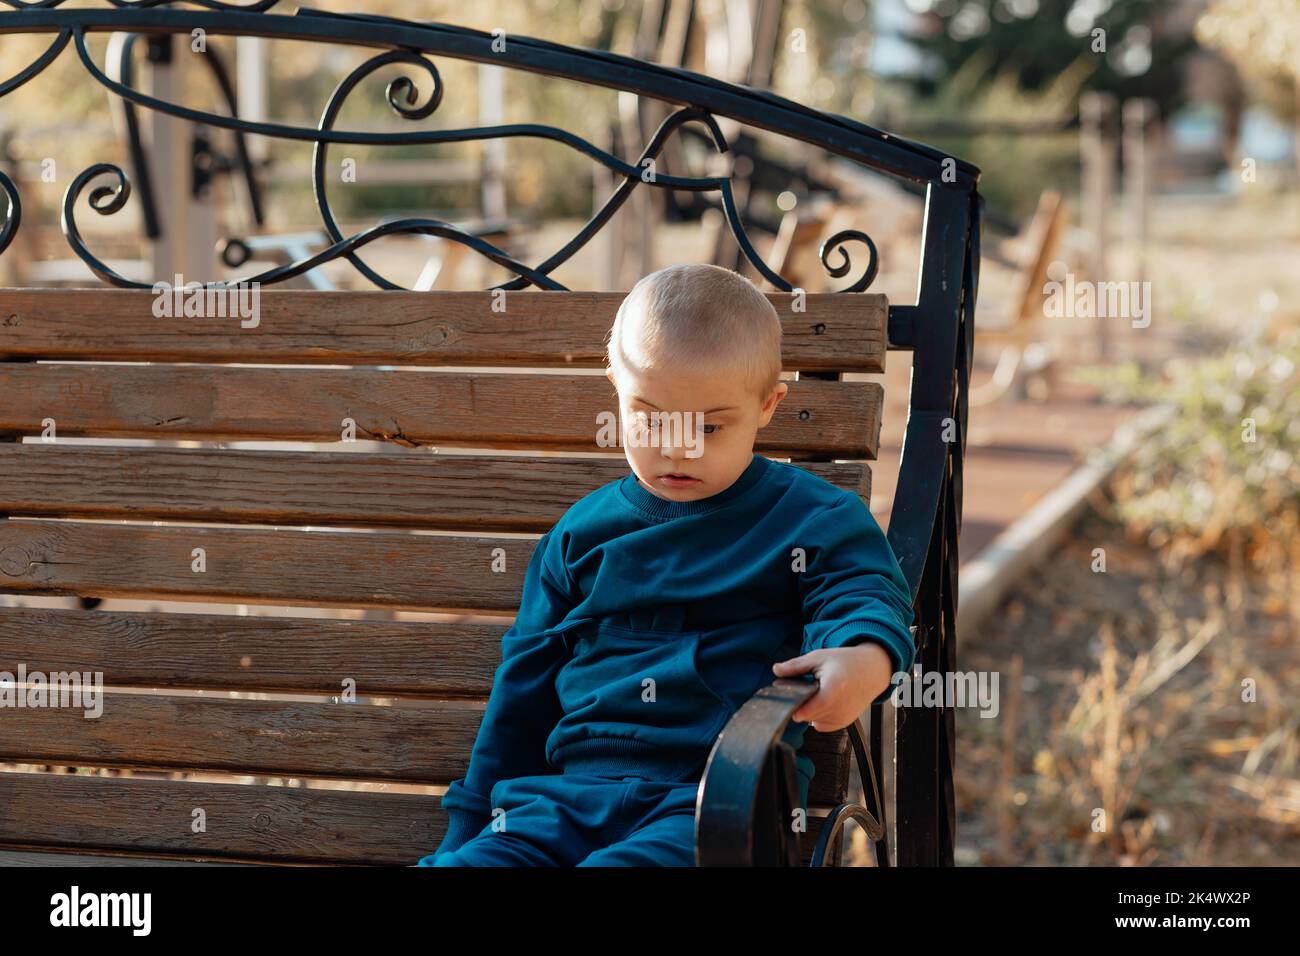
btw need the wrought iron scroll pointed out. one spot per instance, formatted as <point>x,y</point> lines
<point>13,214</point>
<point>402,95</point>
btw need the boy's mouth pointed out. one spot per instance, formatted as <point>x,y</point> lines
<point>677,480</point>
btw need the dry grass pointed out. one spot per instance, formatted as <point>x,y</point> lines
<point>1148,715</point>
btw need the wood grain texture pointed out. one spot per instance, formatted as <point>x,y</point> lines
<point>148,822</point>
<point>41,857</point>
<point>455,409</point>
<point>265,654</point>
<point>45,857</point>
<point>835,332</point>
<point>255,566</point>
<point>402,489</point>
<point>427,736</point>
<point>427,744</point>
<point>242,821</point>
<point>411,744</point>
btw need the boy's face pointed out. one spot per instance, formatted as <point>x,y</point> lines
<point>664,438</point>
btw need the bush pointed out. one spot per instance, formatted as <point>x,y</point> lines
<point>1225,470</point>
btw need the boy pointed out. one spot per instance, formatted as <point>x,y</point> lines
<point>661,602</point>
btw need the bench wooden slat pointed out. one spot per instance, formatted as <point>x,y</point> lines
<point>411,744</point>
<point>254,566</point>
<point>456,409</point>
<point>10,858</point>
<point>831,755</point>
<point>229,652</point>
<point>407,744</point>
<point>124,821</point>
<point>268,654</point>
<point>246,821</point>
<point>834,332</point>
<point>450,492</point>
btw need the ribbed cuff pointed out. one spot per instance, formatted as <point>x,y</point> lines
<point>900,658</point>
<point>462,826</point>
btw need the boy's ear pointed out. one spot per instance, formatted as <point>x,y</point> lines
<point>779,392</point>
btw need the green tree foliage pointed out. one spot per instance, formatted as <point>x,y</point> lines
<point>1127,44</point>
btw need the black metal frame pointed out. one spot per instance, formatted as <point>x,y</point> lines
<point>748,786</point>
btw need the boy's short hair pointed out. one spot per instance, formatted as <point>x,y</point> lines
<point>698,317</point>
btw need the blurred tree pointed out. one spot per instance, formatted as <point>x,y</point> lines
<point>824,56</point>
<point>1134,47</point>
<point>1014,170</point>
<point>1263,39</point>
<point>1262,36</point>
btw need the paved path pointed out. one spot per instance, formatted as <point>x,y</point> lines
<point>1016,451</point>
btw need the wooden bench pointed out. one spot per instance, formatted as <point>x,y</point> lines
<point>1022,337</point>
<point>213,693</point>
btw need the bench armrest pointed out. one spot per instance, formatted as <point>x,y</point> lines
<point>749,791</point>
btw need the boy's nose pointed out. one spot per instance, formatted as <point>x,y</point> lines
<point>674,453</point>
<point>682,450</point>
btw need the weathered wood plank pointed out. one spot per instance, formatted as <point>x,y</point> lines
<point>265,654</point>
<point>248,566</point>
<point>253,821</point>
<point>449,492</point>
<point>123,822</point>
<point>410,744</point>
<point>413,744</point>
<point>831,756</point>
<point>25,858</point>
<point>833,333</point>
<point>454,409</point>
<point>223,652</point>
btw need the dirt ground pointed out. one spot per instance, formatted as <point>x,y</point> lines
<point>1128,734</point>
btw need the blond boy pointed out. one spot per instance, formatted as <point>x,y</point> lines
<point>661,602</point>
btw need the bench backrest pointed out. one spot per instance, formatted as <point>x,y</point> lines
<point>255,708</point>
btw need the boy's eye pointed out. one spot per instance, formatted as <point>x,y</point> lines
<point>710,429</point>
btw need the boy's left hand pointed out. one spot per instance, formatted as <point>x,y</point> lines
<point>848,678</point>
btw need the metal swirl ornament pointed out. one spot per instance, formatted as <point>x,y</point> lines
<point>117,196</point>
<point>107,200</point>
<point>842,268</point>
<point>397,88</point>
<point>14,215</point>
<point>34,68</point>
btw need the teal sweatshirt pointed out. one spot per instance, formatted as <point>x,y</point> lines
<point>645,624</point>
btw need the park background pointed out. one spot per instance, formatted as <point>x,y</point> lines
<point>1130,547</point>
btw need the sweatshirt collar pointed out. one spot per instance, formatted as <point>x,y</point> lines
<point>646,501</point>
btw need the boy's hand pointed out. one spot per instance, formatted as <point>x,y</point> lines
<point>848,678</point>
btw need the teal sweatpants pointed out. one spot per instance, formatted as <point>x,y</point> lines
<point>584,820</point>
